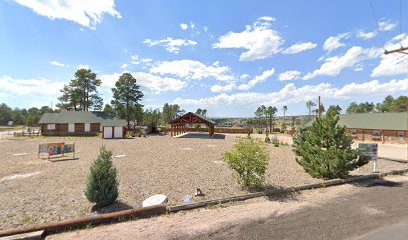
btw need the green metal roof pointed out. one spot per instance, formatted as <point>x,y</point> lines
<point>384,121</point>
<point>104,118</point>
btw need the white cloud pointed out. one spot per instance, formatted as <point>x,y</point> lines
<point>146,60</point>
<point>183,26</point>
<point>18,87</point>
<point>58,64</point>
<point>291,94</point>
<point>289,75</point>
<point>260,40</point>
<point>299,47</point>
<point>261,78</point>
<point>332,66</point>
<point>124,66</point>
<point>82,66</point>
<point>386,25</point>
<point>333,42</point>
<point>366,35</point>
<point>392,64</point>
<point>147,80</point>
<point>246,86</point>
<point>190,69</point>
<point>171,45</point>
<point>205,28</point>
<point>84,12</point>
<point>134,57</point>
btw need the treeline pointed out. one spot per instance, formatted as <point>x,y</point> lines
<point>388,105</point>
<point>22,116</point>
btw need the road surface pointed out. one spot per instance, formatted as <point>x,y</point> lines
<point>370,210</point>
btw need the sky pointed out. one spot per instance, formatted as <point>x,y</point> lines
<point>228,57</point>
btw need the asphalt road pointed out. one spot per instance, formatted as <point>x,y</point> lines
<point>379,211</point>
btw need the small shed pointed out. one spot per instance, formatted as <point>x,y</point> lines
<point>114,129</point>
<point>178,126</point>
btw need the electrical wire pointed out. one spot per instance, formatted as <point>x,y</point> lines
<point>376,22</point>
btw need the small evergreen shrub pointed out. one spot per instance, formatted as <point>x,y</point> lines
<point>249,160</point>
<point>325,149</point>
<point>267,139</point>
<point>102,186</point>
<point>249,135</point>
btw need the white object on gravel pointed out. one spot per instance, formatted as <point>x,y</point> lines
<point>155,200</point>
<point>19,176</point>
<point>120,156</point>
<point>188,149</point>
<point>19,154</point>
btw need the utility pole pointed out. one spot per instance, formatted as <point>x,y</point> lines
<point>399,50</point>
<point>318,109</point>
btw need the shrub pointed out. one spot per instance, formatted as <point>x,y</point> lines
<point>267,139</point>
<point>249,135</point>
<point>102,186</point>
<point>249,159</point>
<point>325,149</point>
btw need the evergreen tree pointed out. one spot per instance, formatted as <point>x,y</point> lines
<point>325,148</point>
<point>102,187</point>
<point>126,97</point>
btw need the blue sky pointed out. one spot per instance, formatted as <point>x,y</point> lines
<point>226,56</point>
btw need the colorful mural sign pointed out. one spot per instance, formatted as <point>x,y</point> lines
<point>53,149</point>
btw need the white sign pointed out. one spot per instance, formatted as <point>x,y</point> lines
<point>10,123</point>
<point>369,150</point>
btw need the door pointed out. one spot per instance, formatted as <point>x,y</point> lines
<point>71,127</point>
<point>107,132</point>
<point>87,127</point>
<point>118,132</point>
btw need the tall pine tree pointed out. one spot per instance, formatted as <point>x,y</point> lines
<point>126,97</point>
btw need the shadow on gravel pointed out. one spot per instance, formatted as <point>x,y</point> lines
<point>280,196</point>
<point>203,136</point>
<point>377,183</point>
<point>115,207</point>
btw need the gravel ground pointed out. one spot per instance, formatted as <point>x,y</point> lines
<point>36,190</point>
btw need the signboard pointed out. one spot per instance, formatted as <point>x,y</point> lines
<point>56,149</point>
<point>369,150</point>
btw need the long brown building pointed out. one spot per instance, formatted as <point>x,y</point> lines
<point>68,123</point>
<point>388,127</point>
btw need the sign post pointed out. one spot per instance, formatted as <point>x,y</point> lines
<point>369,150</point>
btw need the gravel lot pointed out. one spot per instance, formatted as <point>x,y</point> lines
<point>36,190</point>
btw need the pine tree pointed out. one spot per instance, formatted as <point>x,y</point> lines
<point>325,148</point>
<point>126,97</point>
<point>102,187</point>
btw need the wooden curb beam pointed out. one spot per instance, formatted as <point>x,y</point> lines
<point>60,226</point>
<point>327,183</point>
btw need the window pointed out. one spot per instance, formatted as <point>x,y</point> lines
<point>401,135</point>
<point>353,132</point>
<point>376,134</point>
<point>51,126</point>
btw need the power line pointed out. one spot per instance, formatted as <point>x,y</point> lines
<point>376,22</point>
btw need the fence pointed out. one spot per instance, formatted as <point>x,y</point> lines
<point>71,134</point>
<point>27,134</point>
<point>216,130</point>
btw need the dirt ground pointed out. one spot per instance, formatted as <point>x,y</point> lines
<point>36,190</point>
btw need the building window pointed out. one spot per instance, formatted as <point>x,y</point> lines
<point>401,135</point>
<point>51,126</point>
<point>353,132</point>
<point>376,134</point>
